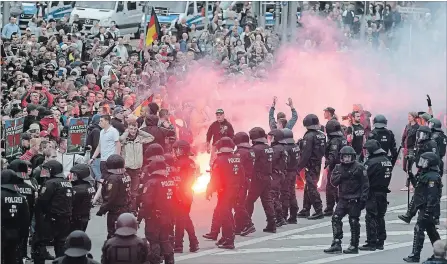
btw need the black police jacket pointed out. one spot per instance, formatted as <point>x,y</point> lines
<point>263,161</point>
<point>387,141</point>
<point>280,157</point>
<point>157,198</point>
<point>426,193</point>
<point>379,169</point>
<point>15,213</point>
<point>293,155</point>
<point>425,146</point>
<point>82,200</point>
<point>352,181</point>
<point>69,260</point>
<point>248,160</point>
<point>441,141</point>
<point>131,249</point>
<point>227,174</point>
<point>116,194</point>
<point>333,149</point>
<point>29,192</point>
<point>312,147</point>
<point>56,197</point>
<point>188,171</point>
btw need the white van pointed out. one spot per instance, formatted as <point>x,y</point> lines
<point>125,14</point>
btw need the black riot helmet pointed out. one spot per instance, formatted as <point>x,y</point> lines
<point>428,161</point>
<point>181,148</point>
<point>372,147</point>
<point>311,122</point>
<point>288,137</point>
<point>20,167</point>
<point>9,177</point>
<point>225,145</point>
<point>435,124</point>
<point>77,244</point>
<point>257,134</point>
<point>423,133</point>
<point>380,121</point>
<point>81,172</point>
<point>157,167</point>
<point>52,168</point>
<point>333,127</point>
<point>169,159</point>
<point>276,135</point>
<point>115,164</point>
<point>347,155</point>
<point>126,225</point>
<point>154,152</point>
<point>241,139</point>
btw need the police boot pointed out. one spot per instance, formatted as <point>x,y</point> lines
<point>379,245</point>
<point>220,241</point>
<point>169,259</point>
<point>413,258</point>
<point>316,216</point>
<point>211,236</point>
<point>335,247</point>
<point>270,228</point>
<point>293,216</point>
<point>328,212</point>
<point>280,222</point>
<point>194,247</point>
<point>178,249</point>
<point>405,218</point>
<point>248,230</point>
<point>227,244</point>
<point>355,236</point>
<point>368,247</point>
<point>303,213</point>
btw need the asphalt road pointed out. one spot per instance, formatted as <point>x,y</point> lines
<point>301,243</point>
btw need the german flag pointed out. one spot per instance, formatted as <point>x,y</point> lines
<point>153,29</point>
<point>138,111</point>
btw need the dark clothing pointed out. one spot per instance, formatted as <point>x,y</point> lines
<point>29,119</point>
<point>125,250</point>
<point>387,142</point>
<point>92,140</point>
<point>409,136</point>
<point>428,145</point>
<point>280,158</point>
<point>433,260</point>
<point>56,197</point>
<point>290,124</point>
<point>153,129</point>
<point>70,260</point>
<point>441,141</point>
<point>82,202</point>
<point>358,132</point>
<point>218,130</point>
<point>119,125</point>
<point>335,143</point>
<point>288,194</point>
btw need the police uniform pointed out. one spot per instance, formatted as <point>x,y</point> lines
<point>125,247</point>
<point>353,186</point>
<point>83,193</point>
<point>115,192</point>
<point>55,203</point>
<point>156,209</point>
<point>227,175</point>
<point>188,172</point>
<point>385,137</point>
<point>279,163</point>
<point>426,199</point>
<point>260,185</point>
<point>312,152</point>
<point>288,194</point>
<point>15,218</point>
<point>441,141</point>
<point>173,174</point>
<point>379,169</point>
<point>78,245</point>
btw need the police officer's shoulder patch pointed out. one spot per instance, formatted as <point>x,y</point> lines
<point>431,184</point>
<point>334,147</point>
<point>365,173</point>
<point>109,186</point>
<point>43,189</point>
<point>366,167</point>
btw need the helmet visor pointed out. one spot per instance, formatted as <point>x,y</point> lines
<point>346,158</point>
<point>422,136</point>
<point>423,163</point>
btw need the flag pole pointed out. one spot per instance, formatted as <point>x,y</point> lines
<point>146,13</point>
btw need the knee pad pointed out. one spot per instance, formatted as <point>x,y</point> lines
<point>336,218</point>
<point>354,221</point>
<point>369,217</point>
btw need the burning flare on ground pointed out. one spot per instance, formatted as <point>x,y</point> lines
<point>201,183</point>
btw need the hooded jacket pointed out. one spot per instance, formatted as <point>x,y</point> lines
<point>152,128</point>
<point>132,149</point>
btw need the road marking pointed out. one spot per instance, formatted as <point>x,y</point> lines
<point>413,221</point>
<point>403,211</point>
<point>363,234</point>
<point>270,237</point>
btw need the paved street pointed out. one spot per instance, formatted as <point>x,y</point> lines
<point>302,243</point>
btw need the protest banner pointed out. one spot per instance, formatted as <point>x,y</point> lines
<point>13,131</point>
<point>77,135</point>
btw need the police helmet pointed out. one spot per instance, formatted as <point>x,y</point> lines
<point>169,159</point>
<point>241,139</point>
<point>52,168</point>
<point>423,133</point>
<point>372,146</point>
<point>126,225</point>
<point>276,135</point>
<point>333,126</point>
<point>428,160</point>
<point>311,121</point>
<point>347,155</point>
<point>81,172</point>
<point>257,134</point>
<point>9,177</point>
<point>154,152</point>
<point>157,167</point>
<point>225,145</point>
<point>182,148</point>
<point>20,167</point>
<point>435,124</point>
<point>380,121</point>
<point>77,244</point>
<point>288,137</point>
<point>115,164</point>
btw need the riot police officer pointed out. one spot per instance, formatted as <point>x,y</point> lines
<point>379,169</point>
<point>227,175</point>
<point>312,152</point>
<point>243,224</point>
<point>279,163</point>
<point>15,218</point>
<point>125,247</point>
<point>172,175</point>
<point>440,138</point>
<point>29,192</point>
<point>55,203</point>
<point>288,194</point>
<point>385,137</point>
<point>78,246</point>
<point>260,185</point>
<point>157,211</point>
<point>188,172</point>
<point>115,192</point>
<point>424,144</point>
<point>336,141</point>
<point>426,199</point>
<point>353,187</point>
<point>83,193</point>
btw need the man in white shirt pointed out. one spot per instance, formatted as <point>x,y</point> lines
<point>121,51</point>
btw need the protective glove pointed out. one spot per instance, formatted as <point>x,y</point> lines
<point>428,100</point>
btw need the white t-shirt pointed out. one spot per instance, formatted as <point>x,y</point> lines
<point>108,139</point>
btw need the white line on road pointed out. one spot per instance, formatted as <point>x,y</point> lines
<point>363,234</point>
<point>403,211</point>
<point>270,237</point>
